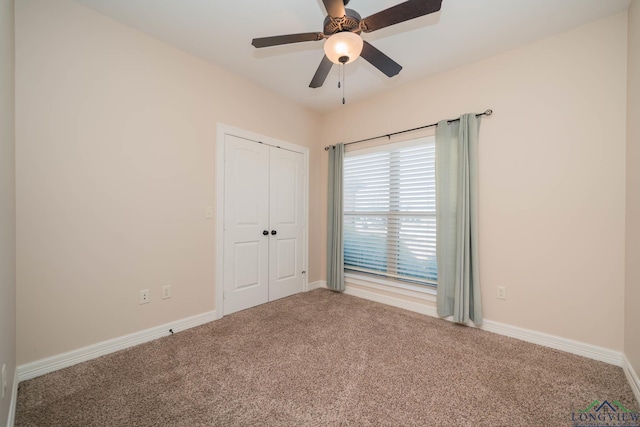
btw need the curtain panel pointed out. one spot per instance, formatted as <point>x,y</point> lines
<point>335,237</point>
<point>457,219</point>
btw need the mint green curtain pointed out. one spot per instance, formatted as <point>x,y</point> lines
<point>457,219</point>
<point>335,247</point>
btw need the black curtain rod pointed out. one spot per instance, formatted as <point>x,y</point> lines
<point>389,135</point>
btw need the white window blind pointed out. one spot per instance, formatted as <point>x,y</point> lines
<point>390,211</point>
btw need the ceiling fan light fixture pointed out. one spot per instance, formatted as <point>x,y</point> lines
<point>343,48</point>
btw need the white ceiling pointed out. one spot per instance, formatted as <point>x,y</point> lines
<point>464,31</point>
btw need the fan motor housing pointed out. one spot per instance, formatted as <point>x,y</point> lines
<point>349,22</point>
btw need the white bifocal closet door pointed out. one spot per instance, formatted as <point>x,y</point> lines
<point>286,212</point>
<point>246,217</point>
<point>263,223</point>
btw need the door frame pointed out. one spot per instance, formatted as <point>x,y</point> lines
<point>221,131</point>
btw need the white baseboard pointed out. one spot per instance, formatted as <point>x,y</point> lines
<point>632,377</point>
<point>559,343</point>
<point>570,346</point>
<point>14,400</point>
<point>389,300</point>
<point>60,361</point>
<point>317,285</point>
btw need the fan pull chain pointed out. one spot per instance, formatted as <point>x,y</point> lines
<point>343,78</point>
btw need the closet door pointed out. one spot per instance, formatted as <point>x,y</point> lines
<point>286,213</point>
<point>246,218</point>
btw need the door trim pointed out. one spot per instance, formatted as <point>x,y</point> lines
<point>221,131</point>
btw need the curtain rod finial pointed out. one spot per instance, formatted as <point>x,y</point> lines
<point>488,112</point>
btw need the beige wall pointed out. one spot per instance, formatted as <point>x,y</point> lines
<point>115,155</point>
<point>632,291</point>
<point>7,203</point>
<point>552,174</point>
<point>115,163</point>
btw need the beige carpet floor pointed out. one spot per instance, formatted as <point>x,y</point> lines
<point>324,359</point>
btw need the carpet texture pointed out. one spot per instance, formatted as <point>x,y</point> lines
<point>324,359</point>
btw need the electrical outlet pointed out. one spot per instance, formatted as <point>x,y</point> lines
<point>501,292</point>
<point>166,291</point>
<point>4,380</point>
<point>144,296</point>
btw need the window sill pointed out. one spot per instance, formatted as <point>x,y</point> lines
<point>393,287</point>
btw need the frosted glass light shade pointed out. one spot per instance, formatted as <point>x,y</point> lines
<point>343,48</point>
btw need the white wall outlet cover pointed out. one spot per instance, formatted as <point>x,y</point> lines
<point>144,296</point>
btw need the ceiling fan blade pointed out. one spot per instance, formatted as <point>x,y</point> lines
<point>289,38</point>
<point>335,8</point>
<point>379,60</point>
<point>402,12</point>
<point>321,73</point>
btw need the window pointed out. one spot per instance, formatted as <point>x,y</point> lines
<point>390,211</point>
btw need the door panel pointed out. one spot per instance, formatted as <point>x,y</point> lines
<point>286,255</point>
<point>246,213</point>
<point>247,270</point>
<point>286,218</point>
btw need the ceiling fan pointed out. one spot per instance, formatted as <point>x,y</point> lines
<point>342,28</point>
